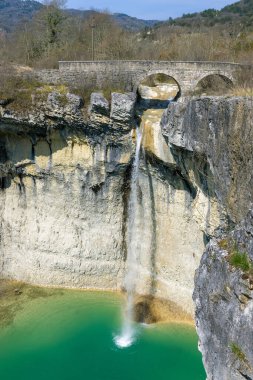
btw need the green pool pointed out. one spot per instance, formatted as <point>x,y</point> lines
<point>69,335</point>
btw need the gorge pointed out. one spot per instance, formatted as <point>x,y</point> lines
<point>65,191</point>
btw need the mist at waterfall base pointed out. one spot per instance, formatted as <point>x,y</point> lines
<point>70,336</point>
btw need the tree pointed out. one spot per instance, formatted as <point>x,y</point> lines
<point>53,19</point>
<point>60,4</point>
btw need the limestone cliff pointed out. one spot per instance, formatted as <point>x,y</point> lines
<point>224,302</point>
<point>217,130</point>
<point>62,196</point>
<point>218,133</point>
<point>64,200</point>
<point>65,176</point>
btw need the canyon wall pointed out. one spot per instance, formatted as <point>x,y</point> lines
<point>65,180</point>
<point>219,130</point>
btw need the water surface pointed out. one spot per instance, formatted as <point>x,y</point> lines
<point>69,335</point>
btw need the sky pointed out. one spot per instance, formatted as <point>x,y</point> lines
<point>150,9</point>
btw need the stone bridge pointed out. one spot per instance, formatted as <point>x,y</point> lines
<point>129,74</point>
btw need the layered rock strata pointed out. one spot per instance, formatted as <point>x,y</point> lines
<point>64,200</point>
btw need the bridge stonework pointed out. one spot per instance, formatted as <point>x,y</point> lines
<point>131,73</point>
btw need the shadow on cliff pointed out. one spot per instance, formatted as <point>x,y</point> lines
<point>125,191</point>
<point>153,247</point>
<point>17,152</point>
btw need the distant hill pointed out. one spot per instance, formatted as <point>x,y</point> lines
<point>133,23</point>
<point>239,14</point>
<point>12,12</point>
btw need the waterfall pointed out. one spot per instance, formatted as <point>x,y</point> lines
<point>127,336</point>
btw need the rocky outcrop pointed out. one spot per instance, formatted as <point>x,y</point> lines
<point>99,112</point>
<point>224,302</point>
<point>123,108</point>
<point>99,105</point>
<point>46,112</point>
<point>220,130</point>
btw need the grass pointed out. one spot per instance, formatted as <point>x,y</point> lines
<point>241,91</point>
<point>236,258</point>
<point>20,93</point>
<point>223,244</point>
<point>62,89</point>
<point>45,89</point>
<point>240,260</point>
<point>17,90</point>
<point>239,354</point>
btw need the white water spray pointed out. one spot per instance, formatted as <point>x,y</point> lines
<point>127,336</point>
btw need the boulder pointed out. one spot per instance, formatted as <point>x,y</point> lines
<point>98,104</point>
<point>122,107</point>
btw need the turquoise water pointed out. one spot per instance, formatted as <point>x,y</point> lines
<point>70,336</point>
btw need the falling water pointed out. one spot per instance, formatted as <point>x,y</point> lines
<point>127,336</point>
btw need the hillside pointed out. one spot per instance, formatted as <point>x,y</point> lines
<point>133,23</point>
<point>12,12</point>
<point>237,16</point>
<point>125,21</point>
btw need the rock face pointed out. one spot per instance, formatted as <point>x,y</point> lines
<point>215,135</point>
<point>122,109</point>
<point>219,129</point>
<point>64,201</point>
<point>224,303</point>
<point>60,189</point>
<point>99,105</point>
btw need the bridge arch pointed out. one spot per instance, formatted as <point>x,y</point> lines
<point>167,84</point>
<point>213,84</point>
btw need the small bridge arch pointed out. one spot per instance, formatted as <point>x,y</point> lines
<point>165,83</point>
<point>214,84</point>
<point>147,74</point>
